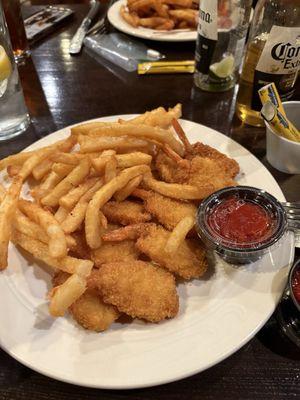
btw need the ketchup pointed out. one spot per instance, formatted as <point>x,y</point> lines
<point>296,284</point>
<point>240,221</point>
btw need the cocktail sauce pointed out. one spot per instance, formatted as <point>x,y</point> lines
<point>240,222</point>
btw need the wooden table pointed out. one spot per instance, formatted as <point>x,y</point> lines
<point>61,90</point>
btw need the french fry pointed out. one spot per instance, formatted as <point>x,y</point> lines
<point>123,160</point>
<point>69,200</point>
<point>29,228</point>
<point>92,144</point>
<point>83,129</point>
<point>92,225</point>
<point>39,250</point>
<point>40,156</point>
<point>110,171</point>
<point>51,180</point>
<point>179,3</point>
<point>75,177</point>
<point>126,191</point>
<point>153,134</point>
<point>7,210</point>
<point>13,170</point>
<point>131,18</point>
<point>57,239</point>
<point>157,23</point>
<point>61,214</point>
<point>20,158</point>
<point>64,295</point>
<point>132,159</point>
<point>33,161</point>
<point>108,153</point>
<point>67,158</point>
<point>42,169</point>
<point>100,163</point>
<point>158,117</point>
<point>178,191</point>
<point>188,15</point>
<point>76,217</point>
<point>24,225</point>
<point>179,233</point>
<point>2,193</point>
<point>61,169</point>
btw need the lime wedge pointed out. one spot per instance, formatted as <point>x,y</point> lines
<point>224,68</point>
<point>5,65</point>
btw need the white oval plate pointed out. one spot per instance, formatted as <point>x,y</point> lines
<point>218,314</point>
<point>118,22</point>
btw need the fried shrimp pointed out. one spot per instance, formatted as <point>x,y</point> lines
<point>138,289</point>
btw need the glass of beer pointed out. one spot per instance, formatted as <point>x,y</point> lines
<point>14,19</point>
<point>14,118</point>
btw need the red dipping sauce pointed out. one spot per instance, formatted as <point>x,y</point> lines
<point>240,222</point>
<point>296,285</point>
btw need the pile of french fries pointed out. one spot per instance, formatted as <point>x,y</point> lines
<point>161,14</point>
<point>71,180</point>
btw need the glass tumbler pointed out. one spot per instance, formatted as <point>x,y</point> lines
<point>14,19</point>
<point>14,118</point>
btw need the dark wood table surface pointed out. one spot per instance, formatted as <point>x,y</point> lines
<point>61,90</point>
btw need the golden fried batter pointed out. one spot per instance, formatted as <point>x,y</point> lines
<point>89,310</point>
<point>206,166</point>
<point>230,166</point>
<point>205,170</point>
<point>167,211</point>
<point>91,313</point>
<point>189,260</point>
<point>125,212</point>
<point>138,289</point>
<point>115,251</point>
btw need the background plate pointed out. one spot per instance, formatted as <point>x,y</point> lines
<point>118,22</point>
<point>218,314</point>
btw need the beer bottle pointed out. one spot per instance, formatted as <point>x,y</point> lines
<point>273,55</point>
<point>221,37</point>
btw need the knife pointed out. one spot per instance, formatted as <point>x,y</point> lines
<point>77,40</point>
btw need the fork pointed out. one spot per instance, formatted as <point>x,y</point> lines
<point>292,211</point>
<point>101,25</point>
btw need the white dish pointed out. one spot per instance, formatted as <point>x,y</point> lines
<point>284,154</point>
<point>218,315</point>
<point>118,22</point>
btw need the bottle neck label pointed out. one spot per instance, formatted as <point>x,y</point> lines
<point>208,19</point>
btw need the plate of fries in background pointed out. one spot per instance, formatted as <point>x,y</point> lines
<point>104,281</point>
<point>170,20</point>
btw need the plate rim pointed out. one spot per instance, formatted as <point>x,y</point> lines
<point>225,355</point>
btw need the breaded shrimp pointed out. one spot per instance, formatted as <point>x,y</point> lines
<point>89,310</point>
<point>125,212</point>
<point>138,289</point>
<point>189,260</point>
<point>169,212</point>
<point>202,164</point>
<point>115,251</point>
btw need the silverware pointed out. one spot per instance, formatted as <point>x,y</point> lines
<point>77,40</point>
<point>100,26</point>
<point>292,211</point>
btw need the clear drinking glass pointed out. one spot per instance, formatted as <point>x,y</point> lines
<point>14,118</point>
<point>15,23</point>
